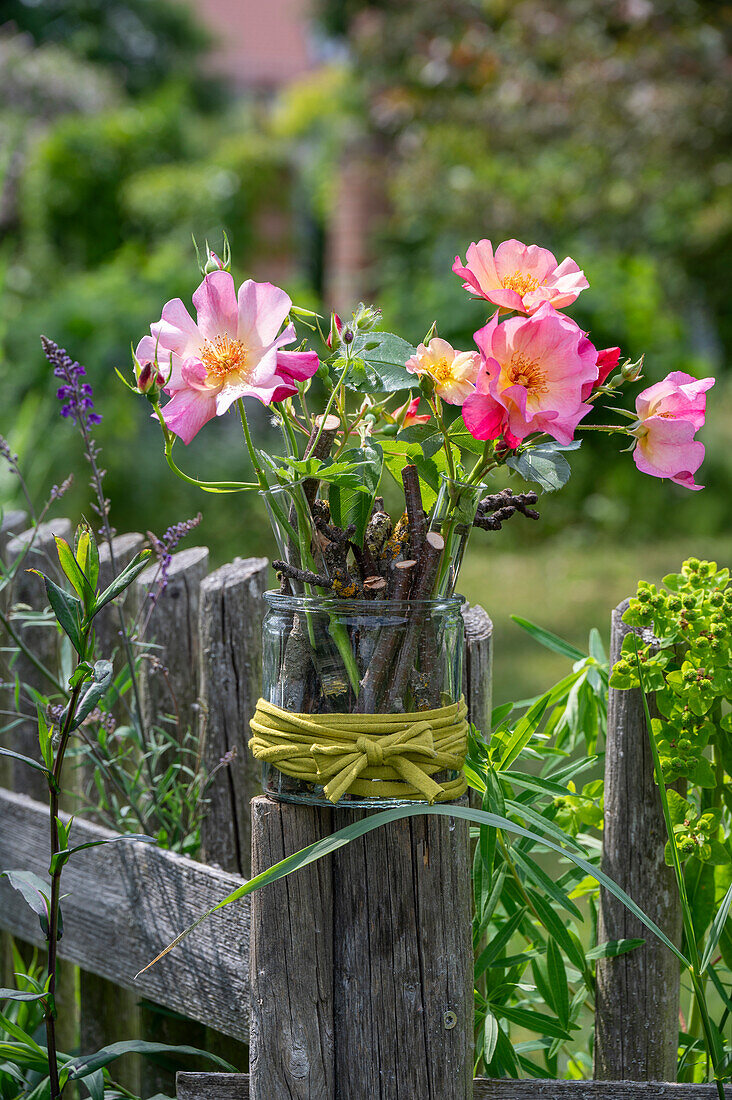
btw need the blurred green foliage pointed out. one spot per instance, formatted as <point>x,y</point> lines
<point>601,130</point>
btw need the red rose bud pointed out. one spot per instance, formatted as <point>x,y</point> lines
<point>336,328</point>
<point>150,381</point>
<point>607,361</point>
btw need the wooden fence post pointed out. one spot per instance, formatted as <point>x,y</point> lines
<point>230,645</point>
<point>637,1003</point>
<point>108,1013</point>
<point>361,965</point>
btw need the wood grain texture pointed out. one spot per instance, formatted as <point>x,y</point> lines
<point>357,960</point>
<point>235,1086</point>
<point>230,645</point>
<point>28,589</point>
<point>478,667</point>
<point>174,630</point>
<point>637,1003</point>
<point>127,901</point>
<point>108,1013</point>
<point>291,1053</point>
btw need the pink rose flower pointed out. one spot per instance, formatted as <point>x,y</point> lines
<point>406,415</point>
<point>453,372</point>
<point>533,374</point>
<point>520,277</point>
<point>232,350</point>
<point>669,414</point>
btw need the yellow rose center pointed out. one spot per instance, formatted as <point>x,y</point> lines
<point>223,356</point>
<point>441,371</point>
<point>527,373</point>
<point>520,282</point>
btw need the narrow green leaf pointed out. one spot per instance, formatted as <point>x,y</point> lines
<point>344,836</point>
<point>716,930</point>
<point>25,760</point>
<point>90,1063</point>
<point>532,1021</point>
<point>557,930</point>
<point>102,678</point>
<point>497,944</point>
<point>543,880</point>
<point>558,980</point>
<point>67,610</point>
<point>549,640</point>
<point>525,729</point>
<point>490,1036</point>
<point>20,995</point>
<point>124,580</point>
<point>73,572</point>
<point>610,949</point>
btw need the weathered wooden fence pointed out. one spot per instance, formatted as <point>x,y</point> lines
<point>126,901</point>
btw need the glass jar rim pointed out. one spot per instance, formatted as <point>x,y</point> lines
<point>334,605</point>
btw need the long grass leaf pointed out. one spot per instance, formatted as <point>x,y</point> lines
<point>344,836</point>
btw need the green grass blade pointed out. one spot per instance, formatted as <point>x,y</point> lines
<point>549,640</point>
<point>351,832</point>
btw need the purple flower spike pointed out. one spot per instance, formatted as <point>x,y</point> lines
<point>77,397</point>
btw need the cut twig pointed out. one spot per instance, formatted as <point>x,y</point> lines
<point>305,576</point>
<point>415,510</point>
<point>373,680</point>
<point>494,510</point>
<point>378,531</point>
<point>374,587</point>
<point>424,581</point>
<point>320,449</point>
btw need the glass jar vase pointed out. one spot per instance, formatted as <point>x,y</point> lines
<point>361,700</point>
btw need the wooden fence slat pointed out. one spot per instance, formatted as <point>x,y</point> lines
<point>174,628</point>
<point>108,1013</point>
<point>126,902</point>
<point>637,1002</point>
<point>230,643</point>
<point>235,1086</point>
<point>43,640</point>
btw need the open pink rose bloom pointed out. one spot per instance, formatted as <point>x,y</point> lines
<point>520,277</point>
<point>669,414</point>
<point>533,376</point>
<point>232,350</point>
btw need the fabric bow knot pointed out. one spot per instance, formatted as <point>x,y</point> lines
<point>342,762</point>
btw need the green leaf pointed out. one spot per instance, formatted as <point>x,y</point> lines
<point>25,760</point>
<point>349,505</point>
<point>716,930</point>
<point>34,892</point>
<point>543,880</point>
<point>74,574</point>
<point>344,836</point>
<point>102,678</point>
<point>524,730</point>
<point>490,1036</point>
<point>124,580</point>
<point>460,437</point>
<point>532,1021</point>
<point>549,640</point>
<point>21,995</point>
<point>610,949</point>
<point>535,783</point>
<point>67,610</point>
<point>558,981</point>
<point>95,1084</point>
<point>557,930</point>
<point>497,944</point>
<point>90,1063</point>
<point>544,464</point>
<point>380,368</point>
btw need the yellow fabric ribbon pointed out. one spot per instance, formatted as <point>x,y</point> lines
<point>366,755</point>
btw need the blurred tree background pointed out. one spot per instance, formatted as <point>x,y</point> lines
<point>598,128</point>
